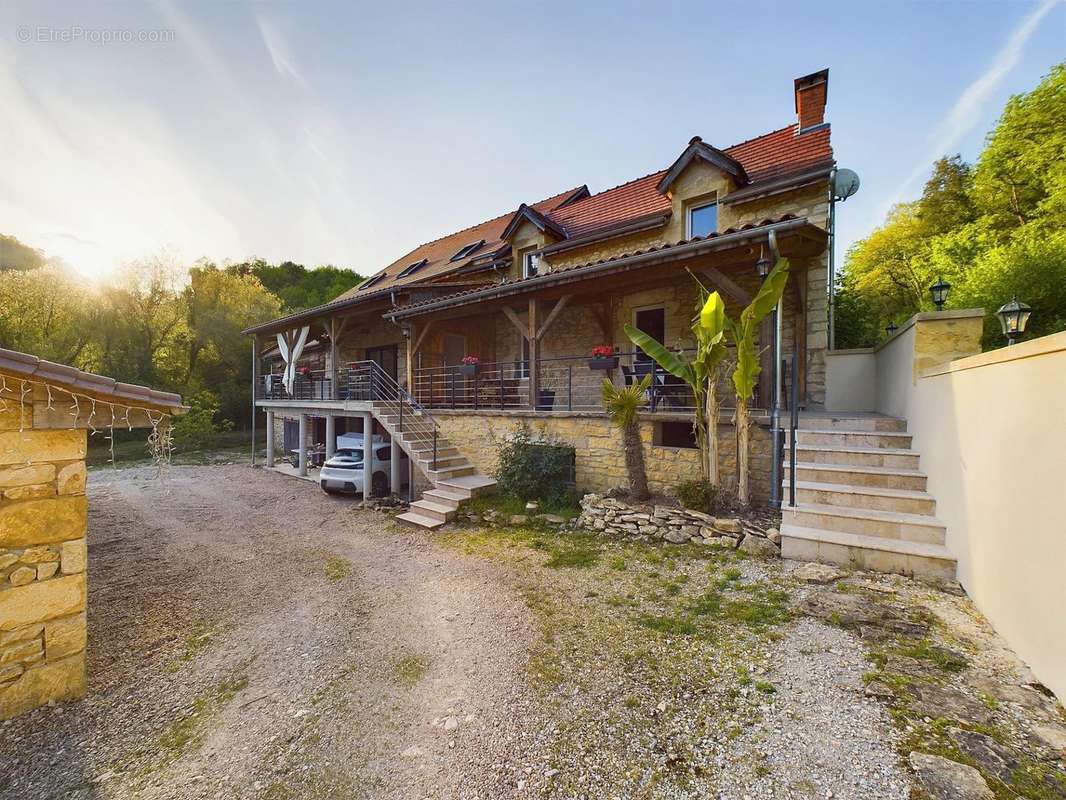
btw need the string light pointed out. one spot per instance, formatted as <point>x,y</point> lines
<point>160,440</point>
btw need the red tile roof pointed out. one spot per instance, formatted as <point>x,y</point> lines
<point>477,292</point>
<point>23,365</point>
<point>439,252</point>
<point>770,156</point>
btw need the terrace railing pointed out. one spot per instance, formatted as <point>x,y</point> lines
<point>565,383</point>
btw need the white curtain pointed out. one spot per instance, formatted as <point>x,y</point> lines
<point>291,345</point>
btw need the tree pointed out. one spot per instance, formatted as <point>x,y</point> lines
<point>746,372</point>
<point>701,374</point>
<point>622,406</point>
<point>992,230</point>
<point>220,304</point>
<point>47,312</point>
<point>16,255</point>
<point>298,287</point>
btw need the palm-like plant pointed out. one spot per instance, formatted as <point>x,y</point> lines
<point>747,369</point>
<point>622,406</point>
<point>701,373</point>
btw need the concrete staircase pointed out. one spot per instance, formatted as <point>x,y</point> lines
<point>861,500</point>
<point>454,478</point>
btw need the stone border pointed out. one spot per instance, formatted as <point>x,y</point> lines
<point>675,525</point>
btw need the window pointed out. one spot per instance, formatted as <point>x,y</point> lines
<point>674,434</point>
<point>371,281</point>
<point>468,250</point>
<point>530,264</point>
<point>703,219</point>
<point>411,269</point>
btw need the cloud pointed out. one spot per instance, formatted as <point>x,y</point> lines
<point>280,52</point>
<point>971,104</point>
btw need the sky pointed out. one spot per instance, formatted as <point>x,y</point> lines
<point>349,133</point>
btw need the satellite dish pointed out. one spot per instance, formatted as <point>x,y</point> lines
<point>845,183</point>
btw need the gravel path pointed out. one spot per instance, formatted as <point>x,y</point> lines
<point>251,637</point>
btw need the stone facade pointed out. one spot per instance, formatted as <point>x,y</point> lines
<point>600,459</point>
<point>42,555</point>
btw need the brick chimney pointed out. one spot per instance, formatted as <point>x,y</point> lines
<point>810,99</point>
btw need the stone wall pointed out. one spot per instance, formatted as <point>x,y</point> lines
<point>675,525</point>
<point>42,555</point>
<point>600,459</point>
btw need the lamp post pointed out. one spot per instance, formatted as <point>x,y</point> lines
<point>891,328</point>
<point>1013,318</point>
<point>939,291</point>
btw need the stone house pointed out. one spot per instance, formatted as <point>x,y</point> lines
<point>528,294</point>
<point>46,412</point>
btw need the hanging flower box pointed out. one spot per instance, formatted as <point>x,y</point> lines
<point>603,358</point>
<point>469,365</point>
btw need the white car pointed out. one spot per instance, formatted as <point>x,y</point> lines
<point>344,472</point>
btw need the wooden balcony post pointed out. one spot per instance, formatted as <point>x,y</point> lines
<point>534,353</point>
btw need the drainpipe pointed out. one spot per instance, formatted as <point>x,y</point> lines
<point>776,434</point>
<point>832,259</point>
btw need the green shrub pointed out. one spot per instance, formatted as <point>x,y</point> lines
<point>197,429</point>
<point>698,495</point>
<point>535,469</point>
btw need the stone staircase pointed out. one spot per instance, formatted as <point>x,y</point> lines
<point>454,478</point>
<point>861,499</point>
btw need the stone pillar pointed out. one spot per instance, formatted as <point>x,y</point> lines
<point>368,454</point>
<point>270,438</point>
<point>303,444</point>
<point>331,436</point>
<point>394,467</point>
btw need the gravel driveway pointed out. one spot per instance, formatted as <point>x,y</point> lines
<point>252,637</point>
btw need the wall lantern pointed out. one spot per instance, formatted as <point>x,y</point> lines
<point>762,266</point>
<point>1013,318</point>
<point>891,328</point>
<point>939,291</point>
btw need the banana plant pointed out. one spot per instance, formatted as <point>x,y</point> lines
<point>701,373</point>
<point>746,373</point>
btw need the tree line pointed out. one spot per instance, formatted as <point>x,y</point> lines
<point>159,323</point>
<point>992,229</point>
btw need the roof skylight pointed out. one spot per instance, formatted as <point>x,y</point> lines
<point>468,250</point>
<point>371,281</point>
<point>411,269</point>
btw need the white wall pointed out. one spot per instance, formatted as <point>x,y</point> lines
<point>851,380</point>
<point>991,430</point>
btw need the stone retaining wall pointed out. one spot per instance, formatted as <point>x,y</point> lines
<point>674,525</point>
<point>600,458</point>
<point>42,555</point>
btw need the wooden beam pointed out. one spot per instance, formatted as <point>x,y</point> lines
<point>422,335</point>
<point>534,351</point>
<point>560,304</point>
<point>727,285</point>
<point>519,325</point>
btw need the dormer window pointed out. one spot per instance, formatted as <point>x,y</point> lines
<point>371,281</point>
<point>530,264</point>
<point>702,219</point>
<point>468,250</point>
<point>411,269</point>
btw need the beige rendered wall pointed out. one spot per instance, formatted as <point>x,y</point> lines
<point>42,554</point>
<point>991,430</point>
<point>851,380</point>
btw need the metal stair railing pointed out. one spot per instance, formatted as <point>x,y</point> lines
<point>414,424</point>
